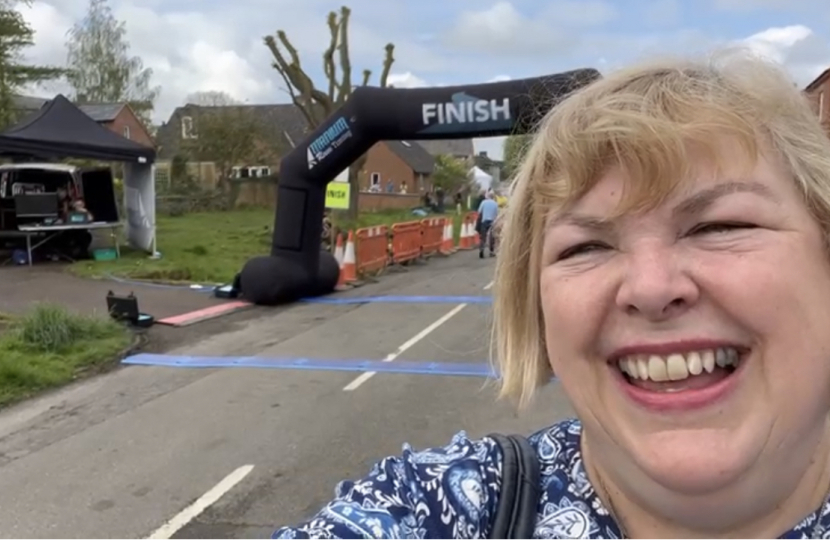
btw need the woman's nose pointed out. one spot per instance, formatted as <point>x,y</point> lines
<point>655,286</point>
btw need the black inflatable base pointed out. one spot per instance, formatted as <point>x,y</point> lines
<point>273,281</point>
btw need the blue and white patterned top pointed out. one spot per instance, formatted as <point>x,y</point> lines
<point>452,492</point>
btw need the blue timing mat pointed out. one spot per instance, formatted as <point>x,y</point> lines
<point>458,369</point>
<point>402,300</point>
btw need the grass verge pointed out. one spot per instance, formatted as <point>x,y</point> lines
<point>49,347</point>
<point>211,247</point>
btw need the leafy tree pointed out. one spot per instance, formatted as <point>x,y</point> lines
<point>316,104</point>
<point>15,74</point>
<point>100,67</point>
<point>514,149</point>
<point>228,134</point>
<point>211,98</point>
<point>450,173</point>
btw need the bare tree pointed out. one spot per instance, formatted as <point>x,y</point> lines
<point>315,104</point>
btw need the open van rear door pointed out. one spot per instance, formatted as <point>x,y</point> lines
<point>98,191</point>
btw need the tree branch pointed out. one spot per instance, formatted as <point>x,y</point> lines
<point>297,80</point>
<point>345,60</point>
<point>299,77</point>
<point>388,60</point>
<point>329,67</point>
<point>294,98</point>
<point>296,76</point>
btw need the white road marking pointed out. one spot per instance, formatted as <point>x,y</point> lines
<point>489,285</point>
<point>201,504</point>
<point>363,377</point>
<point>355,384</point>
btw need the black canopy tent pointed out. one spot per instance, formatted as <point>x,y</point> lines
<point>61,130</point>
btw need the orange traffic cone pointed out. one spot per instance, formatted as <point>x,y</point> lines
<point>348,271</point>
<point>339,255</point>
<point>338,250</point>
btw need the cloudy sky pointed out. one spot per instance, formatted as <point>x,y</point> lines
<point>200,45</point>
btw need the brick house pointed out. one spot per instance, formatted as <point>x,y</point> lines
<point>412,161</point>
<point>402,167</point>
<point>284,126</point>
<point>120,118</point>
<point>818,92</point>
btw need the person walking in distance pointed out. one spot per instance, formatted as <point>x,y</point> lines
<point>488,211</point>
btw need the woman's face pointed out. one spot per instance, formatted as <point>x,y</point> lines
<point>730,271</point>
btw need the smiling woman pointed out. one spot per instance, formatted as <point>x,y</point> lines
<point>665,254</point>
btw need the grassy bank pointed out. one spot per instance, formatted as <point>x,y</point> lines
<point>211,247</point>
<point>49,347</point>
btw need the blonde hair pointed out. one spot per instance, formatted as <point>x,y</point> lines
<point>644,119</point>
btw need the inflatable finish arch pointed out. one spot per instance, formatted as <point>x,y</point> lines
<point>297,267</point>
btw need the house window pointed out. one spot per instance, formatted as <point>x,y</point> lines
<point>375,177</point>
<point>126,132</point>
<point>259,171</point>
<point>236,172</point>
<point>187,128</point>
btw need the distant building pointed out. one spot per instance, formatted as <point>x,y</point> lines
<point>457,148</point>
<point>120,118</point>
<point>284,127</point>
<point>819,93</point>
<point>398,167</point>
<point>493,167</point>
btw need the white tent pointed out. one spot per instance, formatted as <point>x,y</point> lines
<point>481,178</point>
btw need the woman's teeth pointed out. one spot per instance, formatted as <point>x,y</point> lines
<point>676,367</point>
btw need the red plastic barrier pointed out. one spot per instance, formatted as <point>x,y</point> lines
<point>406,241</point>
<point>469,236</point>
<point>432,235</point>
<point>472,219</point>
<point>371,248</point>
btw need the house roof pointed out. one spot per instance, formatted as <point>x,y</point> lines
<point>282,121</point>
<point>29,103</point>
<point>451,147</point>
<point>818,80</point>
<point>102,112</point>
<point>414,155</point>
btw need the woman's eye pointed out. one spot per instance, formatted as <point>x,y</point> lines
<point>720,227</point>
<point>581,249</point>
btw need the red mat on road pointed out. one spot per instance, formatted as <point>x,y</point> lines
<point>199,315</point>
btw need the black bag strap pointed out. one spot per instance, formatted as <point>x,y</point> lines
<point>519,496</point>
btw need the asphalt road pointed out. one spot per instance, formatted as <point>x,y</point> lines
<point>236,453</point>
